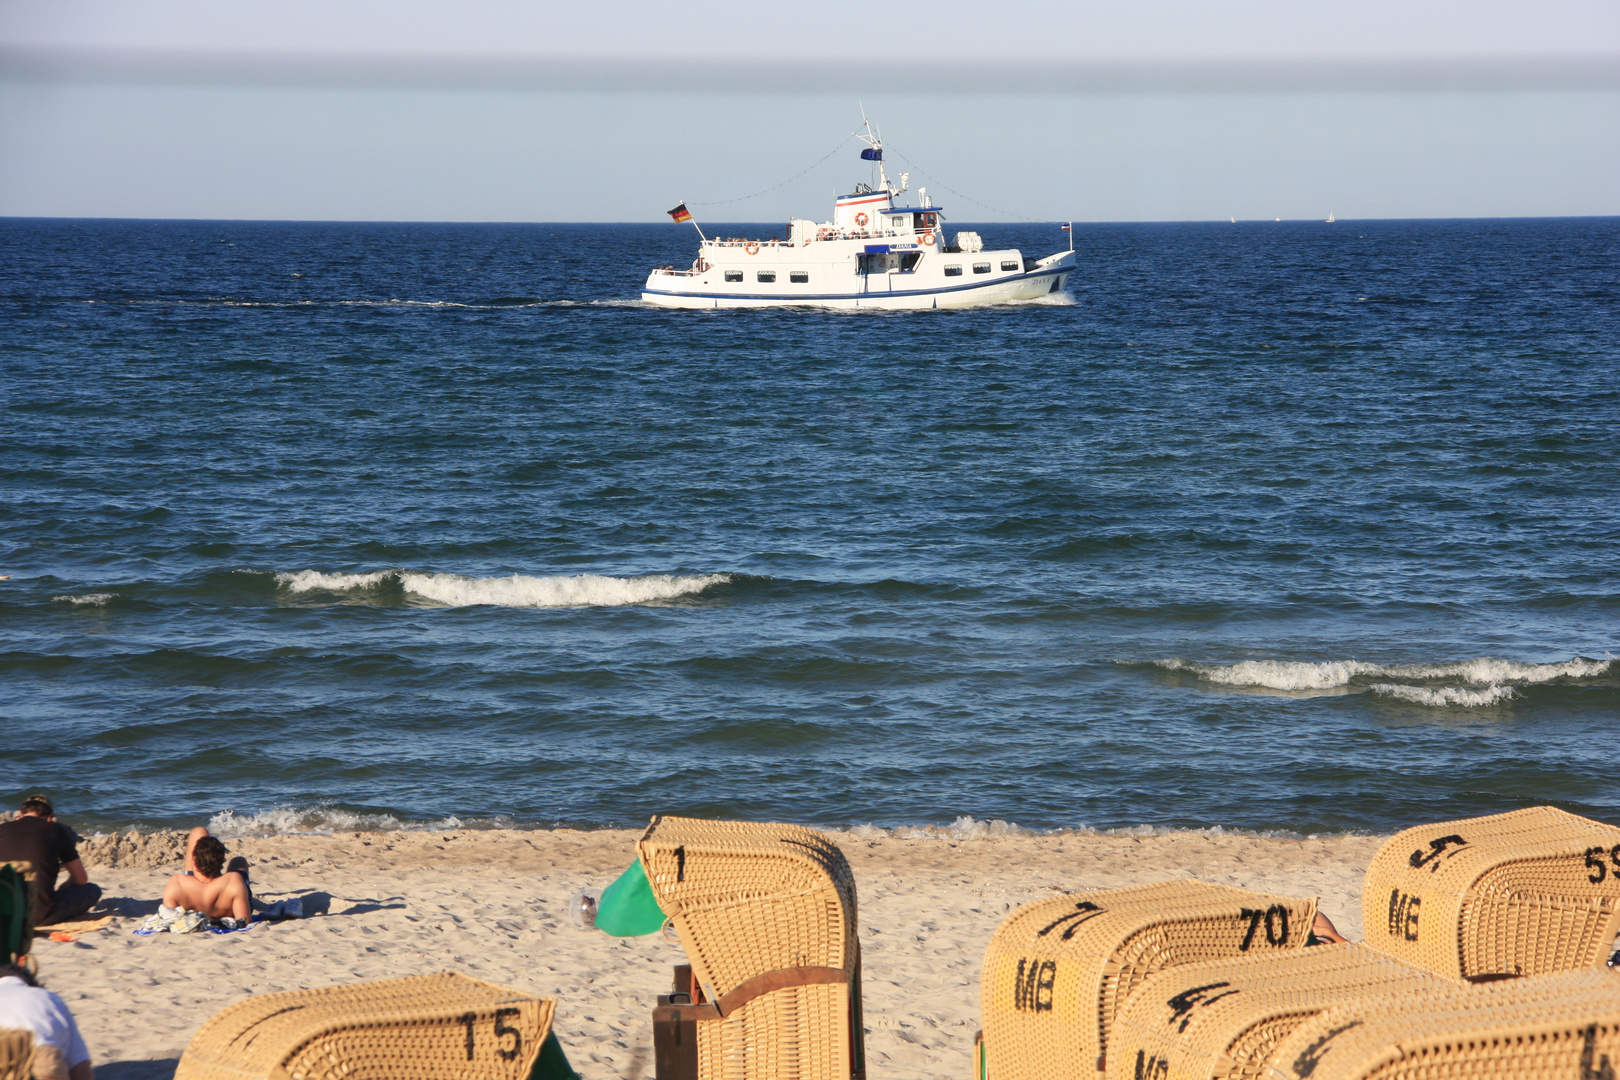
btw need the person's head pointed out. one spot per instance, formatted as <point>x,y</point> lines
<point>18,971</point>
<point>209,856</point>
<point>37,806</point>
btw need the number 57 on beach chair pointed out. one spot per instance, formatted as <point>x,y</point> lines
<point>766,914</point>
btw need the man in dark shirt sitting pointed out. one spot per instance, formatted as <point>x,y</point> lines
<point>36,837</point>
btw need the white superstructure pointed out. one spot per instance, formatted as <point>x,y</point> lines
<point>875,253</point>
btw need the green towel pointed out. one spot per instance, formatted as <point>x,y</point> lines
<point>627,907</point>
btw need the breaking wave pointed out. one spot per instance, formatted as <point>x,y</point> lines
<point>95,599</point>
<point>517,591</point>
<point>293,820</point>
<point>1486,680</point>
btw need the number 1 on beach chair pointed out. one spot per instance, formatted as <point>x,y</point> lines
<point>766,914</point>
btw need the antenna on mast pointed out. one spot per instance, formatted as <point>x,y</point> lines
<point>874,151</point>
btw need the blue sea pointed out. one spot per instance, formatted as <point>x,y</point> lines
<point>1293,527</point>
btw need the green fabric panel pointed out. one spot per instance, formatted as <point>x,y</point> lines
<point>552,1063</point>
<point>627,907</point>
<point>14,928</point>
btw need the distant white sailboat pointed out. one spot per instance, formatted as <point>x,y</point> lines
<point>1232,219</point>
<point>1276,219</point>
<point>1330,217</point>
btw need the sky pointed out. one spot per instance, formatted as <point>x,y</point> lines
<point>498,110</point>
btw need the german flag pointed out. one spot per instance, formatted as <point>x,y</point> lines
<point>680,214</point>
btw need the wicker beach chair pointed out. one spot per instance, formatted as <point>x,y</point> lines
<point>1525,893</point>
<point>425,1027</point>
<point>1058,971</point>
<point>1222,1019</point>
<point>1535,1028</point>
<point>766,914</point>
<point>16,1054</point>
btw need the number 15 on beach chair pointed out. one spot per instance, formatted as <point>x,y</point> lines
<point>766,914</point>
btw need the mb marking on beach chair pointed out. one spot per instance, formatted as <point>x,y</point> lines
<point>1222,1019</point>
<point>16,1054</point>
<point>1525,893</point>
<point>426,1027</point>
<point>1058,971</point>
<point>766,914</point>
<point>1536,1028</point>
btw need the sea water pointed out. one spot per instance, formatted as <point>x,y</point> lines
<point>1296,527</point>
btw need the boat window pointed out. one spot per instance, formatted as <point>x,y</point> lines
<point>953,271</point>
<point>767,276</point>
<point>1012,265</point>
<point>733,275</point>
<point>981,268</point>
<point>799,277</point>
<point>908,261</point>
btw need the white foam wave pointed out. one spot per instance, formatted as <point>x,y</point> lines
<point>517,591</point>
<point>95,599</point>
<point>1331,674</point>
<point>1442,696</point>
<point>313,819</point>
<point>970,828</point>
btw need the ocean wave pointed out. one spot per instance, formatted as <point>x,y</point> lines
<point>967,827</point>
<point>1331,674</point>
<point>517,591</point>
<point>94,599</point>
<point>291,820</point>
<point>1485,680</point>
<point>1440,697</point>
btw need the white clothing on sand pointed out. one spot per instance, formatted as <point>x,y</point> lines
<point>42,1012</point>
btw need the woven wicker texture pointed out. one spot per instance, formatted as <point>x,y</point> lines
<point>1224,1018</point>
<point>749,899</point>
<point>1525,893</point>
<point>16,1054</point>
<point>1057,971</point>
<point>426,1027</point>
<point>1547,1026</point>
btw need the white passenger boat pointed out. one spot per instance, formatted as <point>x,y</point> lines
<point>874,253</point>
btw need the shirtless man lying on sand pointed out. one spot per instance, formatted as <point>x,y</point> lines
<point>207,886</point>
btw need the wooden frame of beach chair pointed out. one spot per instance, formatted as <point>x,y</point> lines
<point>446,1026</point>
<point>1524,893</point>
<point>766,914</point>
<point>1058,971</point>
<point>1222,1019</point>
<point>16,1054</point>
<point>1534,1028</point>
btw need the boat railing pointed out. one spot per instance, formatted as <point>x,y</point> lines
<point>821,234</point>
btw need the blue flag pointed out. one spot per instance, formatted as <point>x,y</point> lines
<point>870,154</point>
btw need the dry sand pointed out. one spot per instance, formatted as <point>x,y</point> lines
<point>491,904</point>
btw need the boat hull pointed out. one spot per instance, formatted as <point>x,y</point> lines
<point>1044,280</point>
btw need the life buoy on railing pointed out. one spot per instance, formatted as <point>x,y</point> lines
<point>751,247</point>
<point>861,219</point>
<point>926,239</point>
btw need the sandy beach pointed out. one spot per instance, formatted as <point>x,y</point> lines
<point>491,904</point>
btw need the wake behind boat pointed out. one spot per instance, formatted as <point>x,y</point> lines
<point>874,253</point>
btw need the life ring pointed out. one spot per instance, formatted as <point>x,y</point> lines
<point>926,239</point>
<point>861,219</point>
<point>751,247</point>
